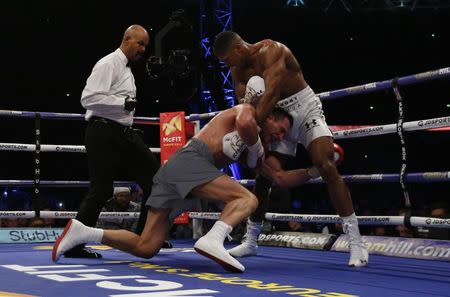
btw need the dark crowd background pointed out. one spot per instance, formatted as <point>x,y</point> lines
<point>50,47</point>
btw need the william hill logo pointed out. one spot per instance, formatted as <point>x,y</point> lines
<point>174,125</point>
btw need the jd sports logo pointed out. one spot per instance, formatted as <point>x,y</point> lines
<point>311,124</point>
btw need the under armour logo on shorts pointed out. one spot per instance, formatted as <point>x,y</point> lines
<point>311,124</point>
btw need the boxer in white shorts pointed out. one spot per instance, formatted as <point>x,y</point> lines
<point>285,87</point>
<point>309,121</point>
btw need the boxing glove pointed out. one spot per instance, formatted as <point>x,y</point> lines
<point>313,172</point>
<point>254,90</point>
<point>338,154</point>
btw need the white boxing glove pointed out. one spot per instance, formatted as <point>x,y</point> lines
<point>254,90</point>
<point>255,153</point>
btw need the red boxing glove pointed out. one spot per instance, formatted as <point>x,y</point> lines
<point>338,154</point>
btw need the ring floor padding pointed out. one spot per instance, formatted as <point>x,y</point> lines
<point>27,269</point>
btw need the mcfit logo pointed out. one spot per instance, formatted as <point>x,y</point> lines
<point>172,133</point>
<point>173,125</point>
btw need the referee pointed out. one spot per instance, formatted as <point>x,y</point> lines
<point>112,144</point>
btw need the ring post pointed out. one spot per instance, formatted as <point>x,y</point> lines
<point>37,168</point>
<point>400,130</point>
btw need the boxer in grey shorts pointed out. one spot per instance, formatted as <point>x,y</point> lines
<point>193,172</point>
<point>191,166</point>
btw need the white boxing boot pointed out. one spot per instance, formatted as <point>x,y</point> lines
<point>211,246</point>
<point>249,244</point>
<point>75,233</point>
<point>359,256</point>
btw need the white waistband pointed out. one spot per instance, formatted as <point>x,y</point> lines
<point>301,95</point>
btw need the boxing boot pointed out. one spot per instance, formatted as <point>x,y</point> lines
<point>249,244</point>
<point>74,234</point>
<point>211,246</point>
<point>359,255</point>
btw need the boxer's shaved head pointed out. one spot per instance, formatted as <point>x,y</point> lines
<point>224,41</point>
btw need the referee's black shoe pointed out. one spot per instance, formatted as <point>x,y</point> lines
<point>167,245</point>
<point>81,251</point>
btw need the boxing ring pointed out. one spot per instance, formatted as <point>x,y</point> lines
<point>26,268</point>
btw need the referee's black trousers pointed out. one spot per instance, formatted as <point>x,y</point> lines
<point>112,149</point>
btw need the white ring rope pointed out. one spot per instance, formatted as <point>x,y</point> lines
<point>392,128</point>
<point>386,84</point>
<point>79,116</point>
<point>59,183</point>
<point>331,219</point>
<point>351,133</point>
<point>23,147</point>
<point>45,214</point>
<point>303,218</point>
